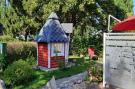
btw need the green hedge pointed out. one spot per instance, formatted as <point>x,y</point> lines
<point>20,50</point>
<point>18,73</point>
<point>6,38</point>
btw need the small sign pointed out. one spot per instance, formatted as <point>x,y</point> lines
<point>68,27</point>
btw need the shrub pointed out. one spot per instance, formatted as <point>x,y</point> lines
<point>6,38</point>
<point>2,62</point>
<point>91,62</point>
<point>95,57</point>
<point>95,73</point>
<point>60,62</point>
<point>80,61</point>
<point>20,50</point>
<point>18,73</point>
<point>1,75</point>
<point>31,60</point>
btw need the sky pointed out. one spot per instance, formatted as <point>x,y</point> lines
<point>134,6</point>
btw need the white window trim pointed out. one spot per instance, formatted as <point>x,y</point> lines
<point>58,54</point>
<point>49,60</point>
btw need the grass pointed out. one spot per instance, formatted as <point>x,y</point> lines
<point>43,77</point>
<point>74,57</point>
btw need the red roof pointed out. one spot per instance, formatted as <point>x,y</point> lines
<point>127,24</point>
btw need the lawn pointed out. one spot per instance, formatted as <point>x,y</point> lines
<point>41,77</point>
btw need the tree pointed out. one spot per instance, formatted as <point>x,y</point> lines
<point>28,16</point>
<point>17,18</point>
<point>126,5</point>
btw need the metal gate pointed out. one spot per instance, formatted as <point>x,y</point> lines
<point>119,60</point>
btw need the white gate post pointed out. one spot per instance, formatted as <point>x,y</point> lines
<point>104,36</point>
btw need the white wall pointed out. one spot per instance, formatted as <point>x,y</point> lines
<point>119,60</point>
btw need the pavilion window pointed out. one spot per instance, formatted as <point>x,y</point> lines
<point>57,49</point>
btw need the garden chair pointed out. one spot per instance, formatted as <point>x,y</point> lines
<point>92,54</point>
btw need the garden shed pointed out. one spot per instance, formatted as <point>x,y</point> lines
<point>52,41</point>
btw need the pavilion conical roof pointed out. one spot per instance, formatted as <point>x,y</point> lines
<point>52,31</point>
